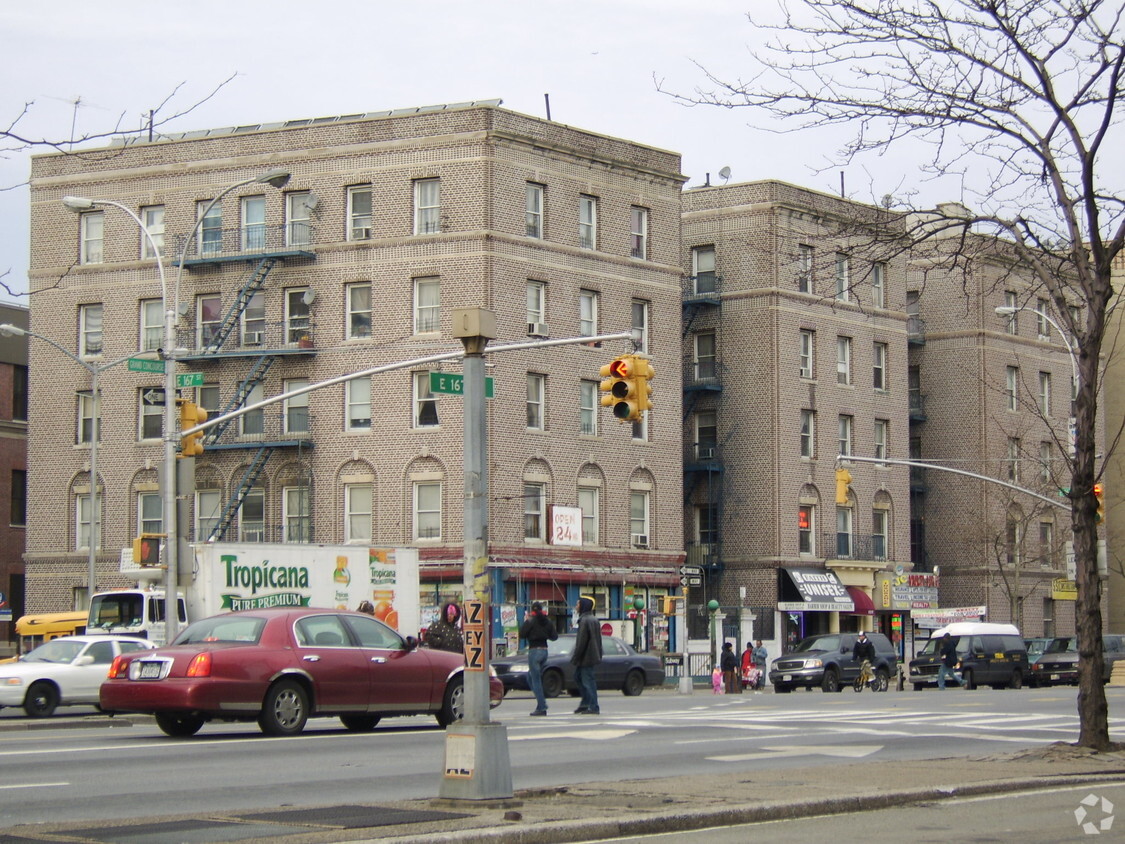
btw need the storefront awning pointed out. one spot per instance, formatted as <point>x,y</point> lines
<point>863,603</point>
<point>812,590</point>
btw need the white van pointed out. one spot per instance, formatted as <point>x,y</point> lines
<point>990,654</point>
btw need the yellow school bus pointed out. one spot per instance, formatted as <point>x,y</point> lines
<point>34,630</point>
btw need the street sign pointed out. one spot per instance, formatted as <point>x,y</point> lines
<point>453,384</point>
<point>692,570</point>
<point>145,365</point>
<point>153,396</point>
<point>189,379</point>
<point>691,580</point>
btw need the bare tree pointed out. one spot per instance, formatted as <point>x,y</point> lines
<point>1016,101</point>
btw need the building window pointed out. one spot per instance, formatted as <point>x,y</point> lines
<point>843,280</point>
<point>1013,459</point>
<point>253,223</point>
<point>536,390</point>
<point>587,313</point>
<point>706,525</point>
<point>207,397</point>
<point>252,517</point>
<point>152,415</point>
<point>209,320</point>
<point>297,407</point>
<point>85,432</point>
<point>879,284</point>
<point>638,232</point>
<point>882,434</point>
<point>706,357</point>
<point>149,510</point>
<point>427,206</point>
<point>703,269</point>
<point>152,325</point>
<point>211,230</point>
<point>1049,618</point>
<point>1045,457</point>
<point>427,511</point>
<point>588,498</point>
<point>357,512</point>
<point>208,510</point>
<point>254,320</point>
<point>20,376</point>
<point>1011,386</point>
<point>804,268</point>
<point>1012,541</point>
<point>18,497</point>
<point>706,434</point>
<point>534,507</point>
<point>879,519</point>
<point>427,305</point>
<point>534,210</point>
<point>805,528</point>
<point>640,323</point>
<point>536,304</point>
<point>843,532</point>
<point>358,400</point>
<point>638,520</point>
<point>640,429</point>
<point>253,423</point>
<point>1045,393</point>
<point>90,330</point>
<point>1012,326</point>
<point>843,360</point>
<point>298,316</point>
<point>298,522</point>
<point>82,521</point>
<point>91,233</point>
<point>845,439</point>
<point>588,408</point>
<point>1042,326</point>
<point>806,353</point>
<point>880,366</point>
<point>1047,544</point>
<point>808,433</point>
<point>298,218</point>
<point>359,311</point>
<point>153,218</point>
<point>359,212</point>
<point>588,222</point>
<point>425,402</point>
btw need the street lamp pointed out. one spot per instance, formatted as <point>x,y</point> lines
<point>1009,310</point>
<point>275,178</point>
<point>9,330</point>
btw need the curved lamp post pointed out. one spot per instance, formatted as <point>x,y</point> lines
<point>1009,310</point>
<point>275,178</point>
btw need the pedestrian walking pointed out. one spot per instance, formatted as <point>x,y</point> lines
<point>717,680</point>
<point>729,663</point>
<point>445,633</point>
<point>949,662</point>
<point>537,630</point>
<point>761,659</point>
<point>586,656</point>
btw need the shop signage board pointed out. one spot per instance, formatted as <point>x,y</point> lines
<point>818,590</point>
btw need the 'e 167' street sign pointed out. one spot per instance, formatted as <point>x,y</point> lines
<point>454,384</point>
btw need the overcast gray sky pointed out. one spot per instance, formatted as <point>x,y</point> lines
<point>90,62</point>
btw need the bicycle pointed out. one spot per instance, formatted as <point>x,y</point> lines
<point>867,676</point>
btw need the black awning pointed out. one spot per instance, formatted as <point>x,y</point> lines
<point>809,589</point>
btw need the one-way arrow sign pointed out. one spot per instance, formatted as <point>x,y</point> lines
<point>153,396</point>
<point>696,570</point>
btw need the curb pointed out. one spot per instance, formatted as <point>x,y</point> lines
<point>94,721</point>
<point>560,831</point>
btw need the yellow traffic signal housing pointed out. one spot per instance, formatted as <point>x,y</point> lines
<point>1099,493</point>
<point>146,549</point>
<point>191,415</point>
<point>843,481</point>
<point>627,384</point>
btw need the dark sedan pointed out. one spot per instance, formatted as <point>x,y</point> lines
<point>1057,665</point>
<point>280,667</point>
<point>621,668</point>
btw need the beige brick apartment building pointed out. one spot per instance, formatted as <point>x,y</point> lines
<point>388,222</point>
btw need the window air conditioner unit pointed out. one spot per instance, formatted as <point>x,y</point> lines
<point>363,233</point>
<point>706,452</point>
<point>537,329</point>
<point>252,338</point>
<point>640,540</point>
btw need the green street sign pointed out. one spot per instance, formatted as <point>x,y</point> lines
<point>453,384</point>
<point>145,365</point>
<point>189,379</point>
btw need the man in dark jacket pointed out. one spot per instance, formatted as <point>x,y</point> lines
<point>587,654</point>
<point>949,661</point>
<point>537,629</point>
<point>728,662</point>
<point>863,649</point>
<point>445,633</point>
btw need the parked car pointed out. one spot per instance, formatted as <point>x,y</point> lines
<point>826,661</point>
<point>621,667</point>
<point>989,654</point>
<point>65,671</point>
<point>1058,664</point>
<point>282,666</point>
<point>1036,646</point>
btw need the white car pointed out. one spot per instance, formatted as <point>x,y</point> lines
<point>66,671</point>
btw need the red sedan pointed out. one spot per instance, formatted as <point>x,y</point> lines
<point>280,667</point>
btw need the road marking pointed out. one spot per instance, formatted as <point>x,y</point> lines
<point>590,735</point>
<point>34,785</point>
<point>856,751</point>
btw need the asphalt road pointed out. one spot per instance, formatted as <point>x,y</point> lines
<point>135,771</point>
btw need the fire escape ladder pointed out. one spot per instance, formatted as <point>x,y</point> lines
<point>252,285</point>
<point>249,478</point>
<point>255,377</point>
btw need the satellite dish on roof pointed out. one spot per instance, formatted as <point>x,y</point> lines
<point>724,174</point>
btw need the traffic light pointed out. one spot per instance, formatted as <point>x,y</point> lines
<point>191,415</point>
<point>626,381</point>
<point>146,549</point>
<point>843,481</point>
<point>1099,493</point>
